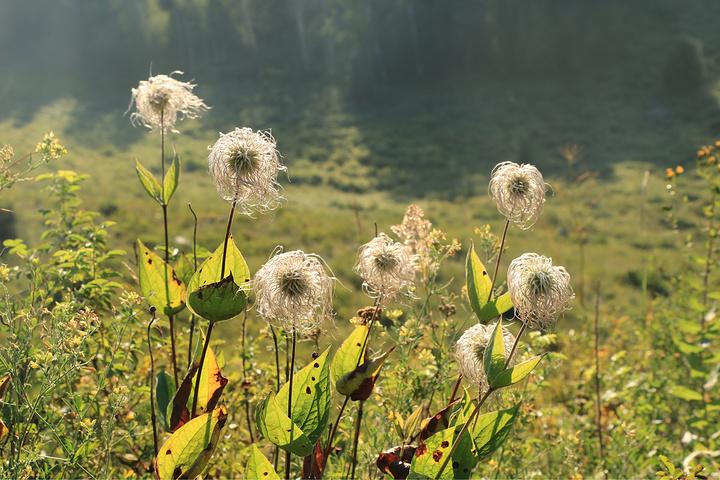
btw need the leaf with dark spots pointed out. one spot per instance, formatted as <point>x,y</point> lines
<point>437,455</point>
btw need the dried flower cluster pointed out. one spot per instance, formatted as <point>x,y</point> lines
<point>162,100</point>
<point>294,291</point>
<point>470,349</point>
<point>387,267</point>
<point>539,291</point>
<point>245,165</point>
<point>519,192</point>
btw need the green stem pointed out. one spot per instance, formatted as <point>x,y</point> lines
<point>192,317</point>
<point>333,431</point>
<point>497,261</point>
<point>288,456</point>
<point>276,453</point>
<point>153,418</point>
<point>356,440</point>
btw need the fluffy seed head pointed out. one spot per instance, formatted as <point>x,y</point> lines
<point>519,192</point>
<point>386,267</point>
<point>245,165</point>
<point>294,291</point>
<point>470,349</point>
<point>539,291</point>
<point>162,100</point>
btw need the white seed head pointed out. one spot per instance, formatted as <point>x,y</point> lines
<point>161,101</point>
<point>539,291</point>
<point>245,166</point>
<point>470,349</point>
<point>294,291</point>
<point>386,267</point>
<point>519,192</point>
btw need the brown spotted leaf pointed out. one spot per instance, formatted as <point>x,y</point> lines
<point>359,383</point>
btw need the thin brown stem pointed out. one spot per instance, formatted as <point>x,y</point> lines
<point>455,389</point>
<point>227,238</point>
<point>333,431</point>
<point>288,456</point>
<point>244,368</point>
<point>363,353</point>
<point>153,417</point>
<point>356,440</point>
<point>276,453</point>
<point>598,411</point>
<point>497,261</point>
<point>192,317</point>
<point>211,324</point>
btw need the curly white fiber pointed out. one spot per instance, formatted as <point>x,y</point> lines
<point>161,101</point>
<point>539,291</point>
<point>244,165</point>
<point>519,192</point>
<point>294,291</point>
<point>386,267</point>
<point>470,349</point>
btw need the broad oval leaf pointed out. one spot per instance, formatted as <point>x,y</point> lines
<point>272,421</point>
<point>258,466</point>
<point>170,182</point>
<point>347,355</point>
<point>166,296</point>
<point>477,281</point>
<point>491,429</point>
<point>218,301</point>
<point>148,181</point>
<point>514,374</point>
<point>494,356</point>
<point>359,383</point>
<point>495,308</point>
<point>187,452</point>
<point>430,456</point>
<point>311,405</point>
<point>209,273</point>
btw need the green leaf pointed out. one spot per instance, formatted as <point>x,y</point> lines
<point>347,355</point>
<point>165,296</point>
<point>209,273</point>
<point>311,405</point>
<point>218,301</point>
<point>494,355</point>
<point>685,393</point>
<point>477,280</point>
<point>514,374</point>
<point>495,308</point>
<point>187,452</point>
<point>164,392</point>
<point>272,421</point>
<point>258,466</point>
<point>148,181</point>
<point>170,182</point>
<point>491,429</point>
<point>430,456</point>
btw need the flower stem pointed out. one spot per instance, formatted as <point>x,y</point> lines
<point>598,416</point>
<point>153,418</point>
<point>244,368</point>
<point>192,317</point>
<point>289,409</point>
<point>211,324</point>
<point>356,440</point>
<point>276,453</point>
<point>497,261</point>
<point>333,431</point>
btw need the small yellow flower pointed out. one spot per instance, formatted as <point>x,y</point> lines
<point>4,272</point>
<point>679,170</point>
<point>669,172</point>
<point>34,365</point>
